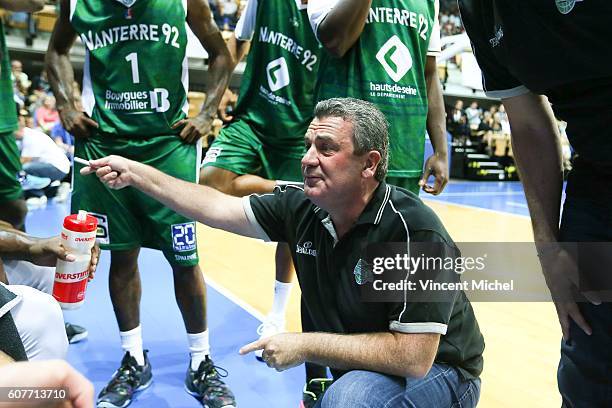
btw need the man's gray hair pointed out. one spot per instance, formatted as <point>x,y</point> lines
<point>370,127</point>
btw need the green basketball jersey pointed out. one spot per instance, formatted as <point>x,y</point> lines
<point>386,66</point>
<point>8,113</point>
<point>135,75</point>
<point>277,90</point>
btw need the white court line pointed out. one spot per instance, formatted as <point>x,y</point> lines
<point>233,298</point>
<point>473,207</point>
<point>482,194</point>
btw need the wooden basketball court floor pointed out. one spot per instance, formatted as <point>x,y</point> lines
<point>522,339</point>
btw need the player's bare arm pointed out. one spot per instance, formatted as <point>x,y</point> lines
<point>18,245</point>
<point>61,75</point>
<point>537,152</point>
<point>436,164</point>
<point>22,5</point>
<point>401,354</point>
<point>201,203</point>
<point>220,66</point>
<point>238,49</point>
<point>343,25</point>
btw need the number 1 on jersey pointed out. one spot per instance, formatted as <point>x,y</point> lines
<point>133,59</point>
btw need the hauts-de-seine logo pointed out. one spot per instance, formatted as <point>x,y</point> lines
<point>395,58</point>
<point>566,6</point>
<point>305,249</point>
<point>278,74</point>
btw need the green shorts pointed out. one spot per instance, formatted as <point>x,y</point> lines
<point>129,219</point>
<point>10,166</point>
<point>241,150</point>
<point>407,183</point>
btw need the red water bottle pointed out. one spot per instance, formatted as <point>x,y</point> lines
<point>78,237</point>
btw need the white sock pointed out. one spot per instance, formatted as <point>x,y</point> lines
<point>199,348</point>
<point>282,291</point>
<point>131,341</point>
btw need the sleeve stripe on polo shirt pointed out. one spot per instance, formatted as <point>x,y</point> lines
<point>248,211</point>
<point>507,93</point>
<point>407,251</point>
<point>420,327</point>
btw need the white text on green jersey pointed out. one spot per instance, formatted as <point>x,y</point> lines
<point>397,16</point>
<point>133,32</point>
<point>306,57</point>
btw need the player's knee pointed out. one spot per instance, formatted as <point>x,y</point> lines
<point>218,179</point>
<point>351,390</point>
<point>40,323</point>
<point>124,262</point>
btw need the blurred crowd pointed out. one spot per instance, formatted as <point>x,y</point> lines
<point>489,130</point>
<point>46,148</point>
<point>450,20</point>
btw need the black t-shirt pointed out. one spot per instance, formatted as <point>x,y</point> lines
<point>326,268</point>
<point>533,46</point>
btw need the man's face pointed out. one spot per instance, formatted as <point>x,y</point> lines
<point>16,66</point>
<point>331,171</point>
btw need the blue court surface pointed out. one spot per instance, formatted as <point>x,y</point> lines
<point>231,326</point>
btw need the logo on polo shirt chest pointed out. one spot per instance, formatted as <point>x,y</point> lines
<point>305,249</point>
<point>566,6</point>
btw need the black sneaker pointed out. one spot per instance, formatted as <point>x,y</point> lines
<point>314,390</point>
<point>127,380</point>
<point>75,333</point>
<point>205,385</point>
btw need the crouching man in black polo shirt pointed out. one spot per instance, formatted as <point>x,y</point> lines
<point>422,354</point>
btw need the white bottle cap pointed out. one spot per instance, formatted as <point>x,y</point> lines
<point>82,215</point>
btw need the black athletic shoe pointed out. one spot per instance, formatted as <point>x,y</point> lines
<point>75,333</point>
<point>127,380</point>
<point>205,385</point>
<point>314,390</point>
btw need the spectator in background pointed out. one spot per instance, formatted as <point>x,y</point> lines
<point>473,114</point>
<point>229,13</point>
<point>41,157</point>
<point>502,118</point>
<point>63,139</point>
<point>40,83</point>
<point>457,119</point>
<point>46,115</point>
<point>22,81</point>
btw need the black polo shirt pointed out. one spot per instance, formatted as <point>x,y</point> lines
<point>325,268</point>
<point>550,47</point>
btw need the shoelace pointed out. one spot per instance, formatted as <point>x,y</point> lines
<point>211,377</point>
<point>125,374</point>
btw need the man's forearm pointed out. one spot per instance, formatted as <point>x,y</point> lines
<point>57,60</point>
<point>61,78</point>
<point>436,120</point>
<point>22,5</point>
<point>220,69</point>
<point>380,352</point>
<point>537,153</point>
<point>200,203</point>
<point>15,244</point>
<point>341,28</point>
<point>238,49</point>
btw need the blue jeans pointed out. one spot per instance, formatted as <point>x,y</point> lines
<point>585,369</point>
<point>442,387</point>
<point>41,169</point>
